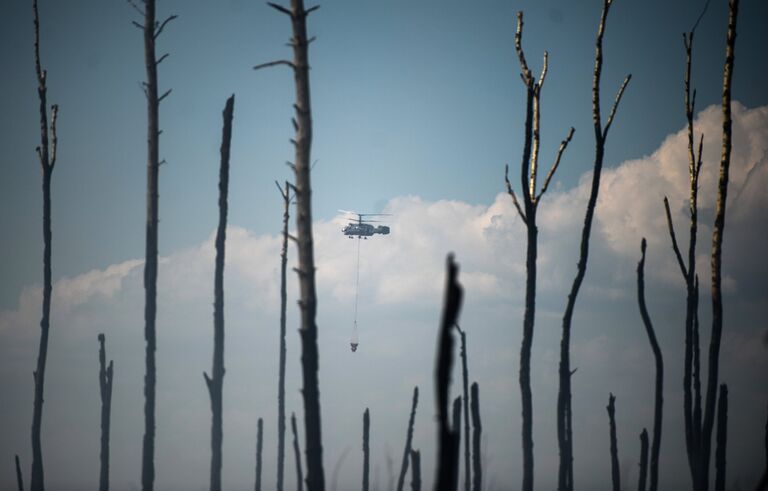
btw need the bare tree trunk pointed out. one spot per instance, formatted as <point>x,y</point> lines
<point>408,438</point>
<point>448,441</point>
<point>465,383</point>
<point>761,486</point>
<point>615,470</point>
<point>717,244</point>
<point>564,414</point>
<point>47,154</point>
<point>643,460</point>
<point>105,389</point>
<point>306,270</point>
<point>151,29</point>
<point>366,448</point>
<point>297,452</point>
<point>259,447</point>
<point>19,479</point>
<point>528,175</point>
<point>457,432</point>
<point>283,304</point>
<point>477,433</point>
<point>215,382</point>
<point>415,470</point>
<point>722,438</point>
<point>659,393</point>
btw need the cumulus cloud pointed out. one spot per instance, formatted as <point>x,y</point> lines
<point>401,280</point>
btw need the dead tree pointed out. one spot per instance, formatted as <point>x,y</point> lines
<point>643,460</point>
<point>366,449</point>
<point>615,470</point>
<point>19,479</point>
<point>151,29</point>
<point>215,382</point>
<point>477,433</point>
<point>105,389</point>
<point>303,191</point>
<point>415,470</point>
<point>408,439</point>
<point>457,432</point>
<point>465,383</point>
<point>297,452</point>
<point>448,441</point>
<point>259,447</point>
<point>46,152</point>
<point>564,414</point>
<point>722,438</point>
<point>283,304</point>
<point>531,198</point>
<point>659,392</point>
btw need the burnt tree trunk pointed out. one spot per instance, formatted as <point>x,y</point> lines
<point>297,452</point>
<point>717,245</point>
<point>477,433</point>
<point>643,460</point>
<point>408,439</point>
<point>283,305</point>
<point>47,154</point>
<point>448,441</point>
<point>215,382</point>
<point>659,392</point>
<point>105,389</point>
<point>366,448</point>
<point>465,383</point>
<point>415,470</point>
<point>615,470</point>
<point>259,447</point>
<point>722,438</point>
<point>19,479</point>
<point>457,432</point>
<point>564,413</point>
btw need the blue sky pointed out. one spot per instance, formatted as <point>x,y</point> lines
<point>417,107</point>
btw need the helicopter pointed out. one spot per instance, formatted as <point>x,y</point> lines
<point>362,228</point>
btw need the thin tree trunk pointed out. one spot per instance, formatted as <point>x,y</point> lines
<point>259,447</point>
<point>643,460</point>
<point>19,479</point>
<point>722,438</point>
<point>564,413</point>
<point>105,389</point>
<point>306,270</point>
<point>47,155</point>
<point>366,448</point>
<point>415,470</point>
<point>283,304</point>
<point>448,441</point>
<point>717,244</point>
<point>763,484</point>
<point>408,439</point>
<point>465,383</point>
<point>297,452</point>
<point>659,393</point>
<point>457,432</point>
<point>215,382</point>
<point>615,470</point>
<point>477,433</point>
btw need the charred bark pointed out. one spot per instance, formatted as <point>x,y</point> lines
<point>285,193</point>
<point>259,447</point>
<point>415,470</point>
<point>19,479</point>
<point>564,413</point>
<point>722,438</point>
<point>643,460</point>
<point>408,439</point>
<point>297,452</point>
<point>366,449</point>
<point>465,383</point>
<point>105,389</point>
<point>477,433</point>
<point>615,470</point>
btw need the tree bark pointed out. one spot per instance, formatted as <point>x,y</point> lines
<point>259,447</point>
<point>643,460</point>
<point>408,439</point>
<point>105,389</point>
<point>447,442</point>
<point>615,470</point>
<point>215,382</point>
<point>659,392</point>
<point>717,244</point>
<point>19,479</point>
<point>366,449</point>
<point>415,470</point>
<point>477,433</point>
<point>564,413</point>
<point>457,432</point>
<point>283,305</point>
<point>722,438</point>
<point>297,452</point>
<point>47,155</point>
<point>465,383</point>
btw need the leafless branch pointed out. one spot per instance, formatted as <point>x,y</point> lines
<point>166,55</point>
<point>512,193</point>
<point>165,94</point>
<point>616,105</point>
<point>54,139</point>
<point>672,235</point>
<point>543,74</point>
<point>137,25</point>
<point>162,26</point>
<point>551,173</point>
<point>311,9</point>
<point>281,9</point>
<point>526,73</point>
<point>136,8</point>
<point>275,63</point>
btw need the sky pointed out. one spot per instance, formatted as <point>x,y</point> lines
<point>417,108</point>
